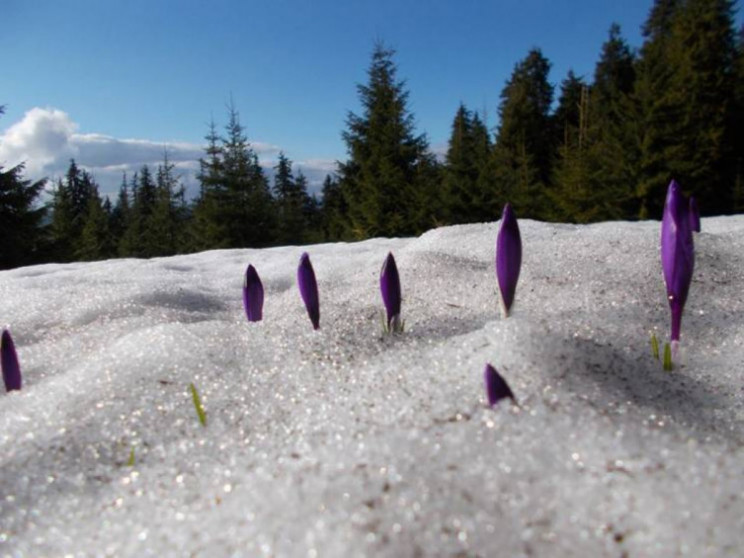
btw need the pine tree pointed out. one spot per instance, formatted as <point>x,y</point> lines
<point>524,151</point>
<point>382,181</point>
<point>95,241</point>
<point>614,127</point>
<point>121,214</point>
<point>684,104</point>
<point>249,212</point>
<point>333,210</point>
<point>20,219</point>
<point>207,229</point>
<point>289,203</point>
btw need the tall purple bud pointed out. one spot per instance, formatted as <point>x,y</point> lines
<point>9,362</point>
<point>496,387</point>
<point>253,295</point>
<point>309,289</point>
<point>677,253</point>
<point>508,257</point>
<point>390,289</point>
<point>694,215</point>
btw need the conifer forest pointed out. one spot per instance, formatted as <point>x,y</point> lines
<point>591,148</point>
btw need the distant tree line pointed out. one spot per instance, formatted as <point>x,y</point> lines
<point>606,148</point>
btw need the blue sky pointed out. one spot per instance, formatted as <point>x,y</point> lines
<point>128,77</point>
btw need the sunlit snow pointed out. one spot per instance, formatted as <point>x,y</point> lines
<point>342,442</point>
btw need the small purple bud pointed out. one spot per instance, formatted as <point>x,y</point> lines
<point>9,362</point>
<point>309,289</point>
<point>694,215</point>
<point>390,289</point>
<point>508,257</point>
<point>253,295</point>
<point>677,253</point>
<point>496,387</point>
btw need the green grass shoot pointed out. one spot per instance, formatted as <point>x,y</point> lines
<point>655,346</point>
<point>198,406</point>
<point>668,357</point>
<point>130,463</point>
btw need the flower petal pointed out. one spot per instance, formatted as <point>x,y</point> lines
<point>309,289</point>
<point>253,295</point>
<point>508,257</point>
<point>9,362</point>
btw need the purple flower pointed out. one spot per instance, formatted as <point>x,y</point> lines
<point>9,362</point>
<point>253,295</point>
<point>508,257</point>
<point>309,289</point>
<point>694,215</point>
<point>677,253</point>
<point>496,387</point>
<point>390,289</point>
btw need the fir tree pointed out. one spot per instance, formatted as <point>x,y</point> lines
<point>524,151</point>
<point>383,179</point>
<point>20,218</point>
<point>95,241</point>
<point>333,210</point>
<point>684,104</point>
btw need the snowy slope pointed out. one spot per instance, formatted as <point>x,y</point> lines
<point>343,443</point>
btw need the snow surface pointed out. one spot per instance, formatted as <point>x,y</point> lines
<point>343,443</point>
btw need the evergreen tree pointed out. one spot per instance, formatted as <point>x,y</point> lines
<point>208,229</point>
<point>249,212</point>
<point>613,126</point>
<point>290,200</point>
<point>20,219</point>
<point>70,208</point>
<point>121,214</point>
<point>95,241</point>
<point>333,210</point>
<point>387,173</point>
<point>685,106</point>
<point>524,147</point>
<point>166,221</point>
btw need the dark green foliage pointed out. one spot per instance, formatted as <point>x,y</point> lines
<point>685,106</point>
<point>524,146</point>
<point>333,210</point>
<point>71,206</point>
<point>467,184</point>
<point>293,207</point>
<point>387,173</point>
<point>20,218</point>
<point>96,241</point>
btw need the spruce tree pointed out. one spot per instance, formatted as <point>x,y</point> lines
<point>20,218</point>
<point>333,210</point>
<point>684,106</point>
<point>387,172</point>
<point>95,241</point>
<point>207,229</point>
<point>524,145</point>
<point>249,212</point>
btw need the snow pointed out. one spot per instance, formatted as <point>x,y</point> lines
<point>342,442</point>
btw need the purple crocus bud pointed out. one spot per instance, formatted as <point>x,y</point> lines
<point>309,289</point>
<point>9,362</point>
<point>508,257</point>
<point>677,253</point>
<point>496,387</point>
<point>390,289</point>
<point>253,295</point>
<point>694,215</point>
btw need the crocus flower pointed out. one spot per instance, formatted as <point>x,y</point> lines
<point>309,289</point>
<point>496,387</point>
<point>9,362</point>
<point>508,257</point>
<point>677,253</point>
<point>694,215</point>
<point>390,289</point>
<point>253,295</point>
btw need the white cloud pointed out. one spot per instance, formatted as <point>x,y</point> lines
<point>45,139</point>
